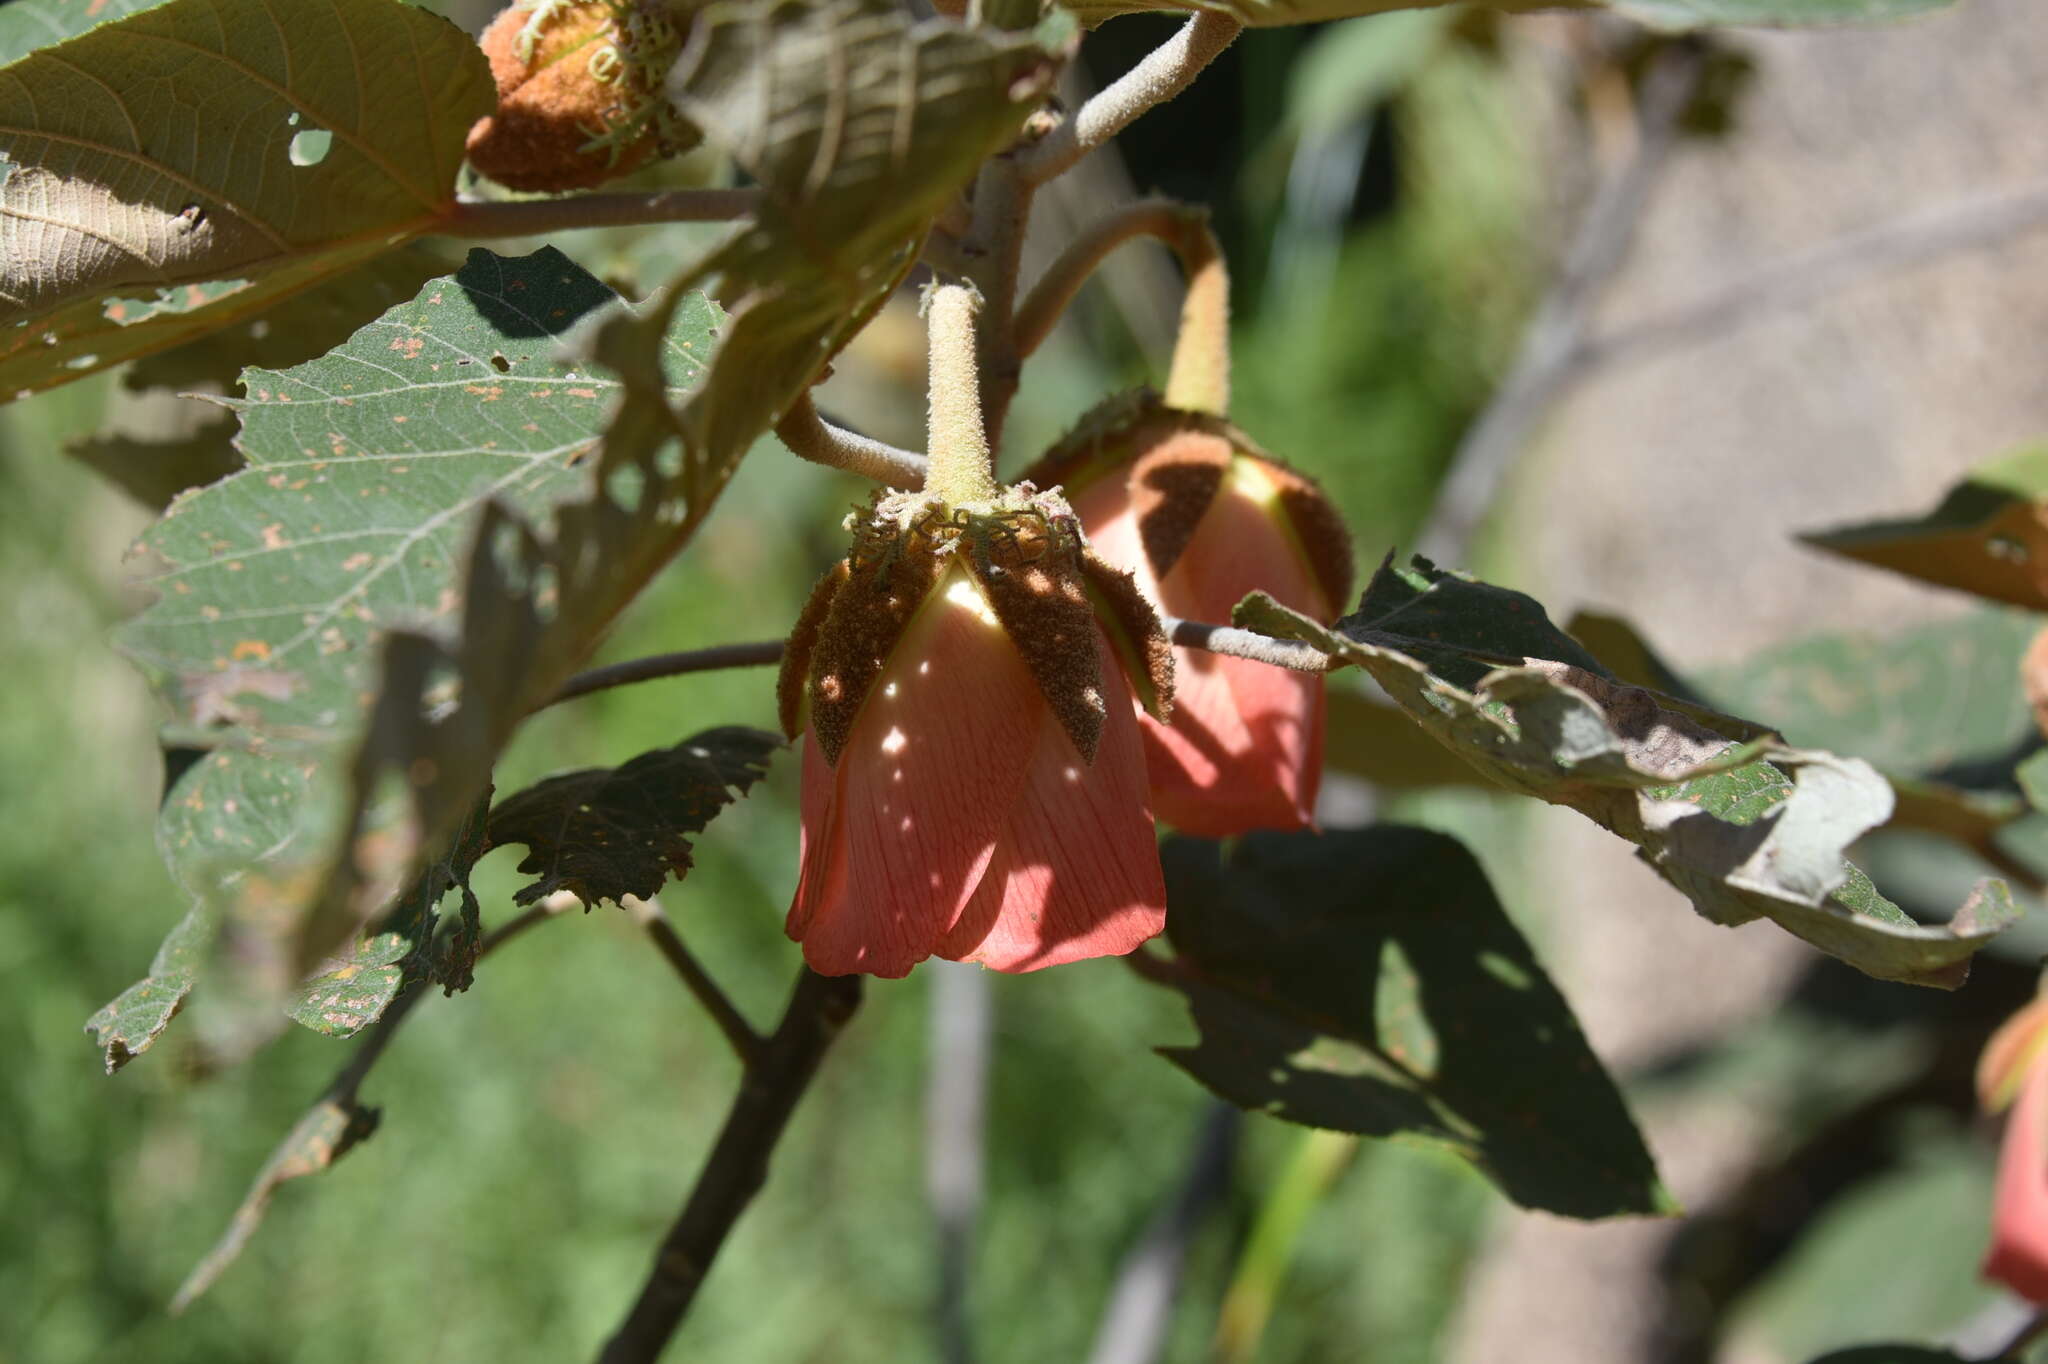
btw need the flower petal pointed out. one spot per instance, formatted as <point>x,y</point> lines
<point>1244,750</point>
<point>2018,1257</point>
<point>1076,873</point>
<point>897,835</point>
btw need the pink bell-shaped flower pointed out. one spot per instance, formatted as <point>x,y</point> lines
<point>2016,1063</point>
<point>1201,517</point>
<point>973,780</point>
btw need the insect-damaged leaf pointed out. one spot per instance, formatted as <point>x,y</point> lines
<point>608,832</point>
<point>186,165</point>
<point>368,472</point>
<point>1743,825</point>
<point>1369,981</point>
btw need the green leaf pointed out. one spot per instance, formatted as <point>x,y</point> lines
<point>1368,981</point>
<point>348,995</point>
<point>125,1028</point>
<point>369,470</point>
<point>1890,1354</point>
<point>1938,709</point>
<point>1706,798</point>
<point>1987,537</point>
<point>163,177</point>
<point>604,833</point>
<point>155,470</point>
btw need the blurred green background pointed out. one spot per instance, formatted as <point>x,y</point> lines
<point>1385,198</point>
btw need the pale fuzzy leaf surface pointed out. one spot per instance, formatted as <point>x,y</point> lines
<point>1667,14</point>
<point>1890,1354</point>
<point>609,832</point>
<point>1938,708</point>
<point>865,124</point>
<point>1987,537</point>
<point>156,165</point>
<point>1741,824</point>
<point>366,471</point>
<point>1368,981</point>
<point>369,472</point>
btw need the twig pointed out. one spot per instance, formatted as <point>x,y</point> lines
<point>485,218</point>
<point>818,1010</point>
<point>955,1119</point>
<point>1229,639</point>
<point>759,653</point>
<point>746,1043</point>
<point>1134,1327</point>
<point>1550,346</point>
<point>1808,275</point>
<point>1165,71</point>
<point>809,436</point>
<point>1200,379</point>
<point>336,1120</point>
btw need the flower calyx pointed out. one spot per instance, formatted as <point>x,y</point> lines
<point>579,93</point>
<point>1020,562</point>
<point>1177,463</point>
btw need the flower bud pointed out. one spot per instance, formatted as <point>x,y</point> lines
<point>973,781</point>
<point>1202,517</point>
<point>579,93</point>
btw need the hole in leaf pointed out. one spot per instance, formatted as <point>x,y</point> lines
<point>501,364</point>
<point>309,148</point>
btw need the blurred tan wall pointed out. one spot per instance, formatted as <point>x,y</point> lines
<point>1669,490</point>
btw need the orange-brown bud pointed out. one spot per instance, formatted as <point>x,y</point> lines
<point>579,93</point>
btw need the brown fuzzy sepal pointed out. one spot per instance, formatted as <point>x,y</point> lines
<point>793,681</point>
<point>1025,552</point>
<point>1135,632</point>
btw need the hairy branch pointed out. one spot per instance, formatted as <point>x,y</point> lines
<point>746,1043</point>
<point>1229,639</point>
<point>475,219</point>
<point>760,653</point>
<point>809,436</point>
<point>1200,378</point>
<point>1550,347</point>
<point>818,1010</point>
<point>1165,71</point>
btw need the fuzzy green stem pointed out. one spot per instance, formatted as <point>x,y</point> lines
<point>485,219</point>
<point>1199,380</point>
<point>958,467</point>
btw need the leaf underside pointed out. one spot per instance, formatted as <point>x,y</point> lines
<point>1368,981</point>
